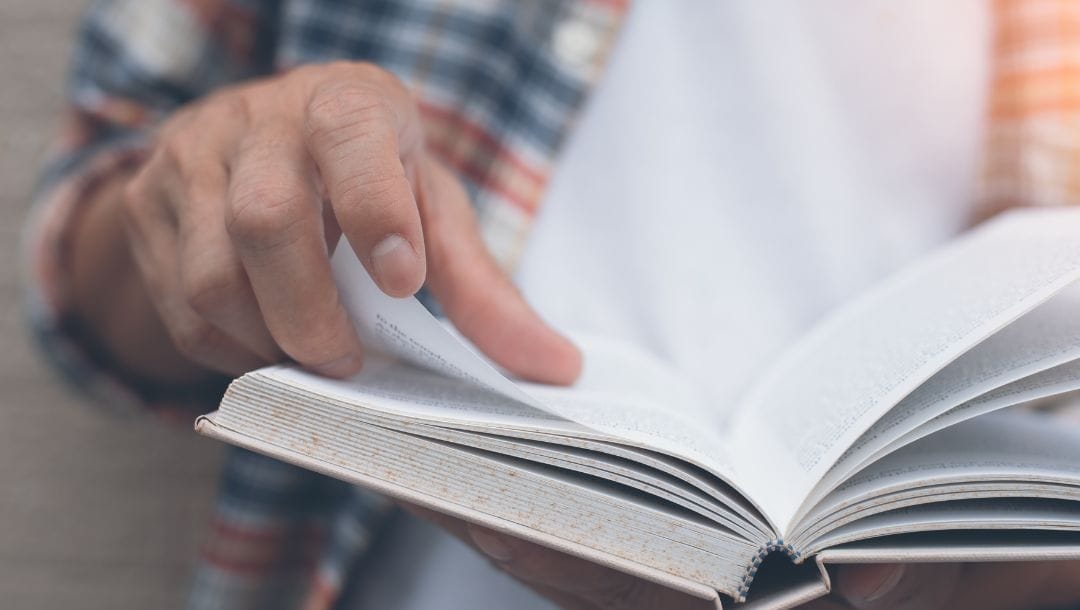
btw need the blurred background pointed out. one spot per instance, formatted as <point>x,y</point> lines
<point>105,513</point>
<point>95,512</point>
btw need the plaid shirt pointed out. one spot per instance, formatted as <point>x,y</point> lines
<point>499,83</point>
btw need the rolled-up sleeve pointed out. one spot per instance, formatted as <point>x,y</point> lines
<point>134,62</point>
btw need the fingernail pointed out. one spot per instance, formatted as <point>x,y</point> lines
<point>395,262</point>
<point>342,367</point>
<point>867,584</point>
<point>491,544</point>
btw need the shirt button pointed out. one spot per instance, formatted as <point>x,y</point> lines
<point>576,42</point>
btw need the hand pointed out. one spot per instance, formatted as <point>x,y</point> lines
<point>974,586</point>
<point>576,584</point>
<point>569,582</point>
<point>232,217</point>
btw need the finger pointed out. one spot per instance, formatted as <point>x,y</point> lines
<point>899,586</point>
<point>194,145</point>
<point>477,295</point>
<point>276,224</point>
<point>1015,585</point>
<point>203,343</point>
<point>524,560</point>
<point>214,282</point>
<point>358,134</point>
<point>577,578</point>
<point>153,242</point>
<point>982,586</point>
<point>864,585</point>
<point>461,530</point>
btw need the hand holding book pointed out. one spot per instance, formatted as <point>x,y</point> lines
<point>957,586</point>
<point>572,583</point>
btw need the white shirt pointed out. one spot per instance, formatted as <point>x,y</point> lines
<point>745,166</point>
<point>742,167</point>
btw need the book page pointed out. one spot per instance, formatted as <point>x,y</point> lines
<point>403,328</point>
<point>623,391</point>
<point>389,386</point>
<point>846,373</point>
<point>643,424</point>
<point>619,372</point>
<point>627,394</point>
<point>623,396</point>
<point>1044,338</point>
<point>1058,380</point>
<point>989,514</point>
<point>1005,447</point>
<point>958,547</point>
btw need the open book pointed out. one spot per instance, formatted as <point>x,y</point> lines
<point>871,439</point>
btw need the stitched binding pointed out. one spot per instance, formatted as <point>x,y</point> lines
<point>759,558</point>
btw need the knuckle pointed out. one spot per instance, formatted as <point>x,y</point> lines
<point>135,197</point>
<point>229,107</point>
<point>377,196</point>
<point>193,339</point>
<point>186,152</point>
<point>135,193</point>
<point>263,211</point>
<point>334,107</point>
<point>211,289</point>
<point>180,121</point>
<point>172,149</point>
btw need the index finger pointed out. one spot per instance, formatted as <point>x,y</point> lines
<point>277,226</point>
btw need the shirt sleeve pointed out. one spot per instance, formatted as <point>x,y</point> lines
<point>133,63</point>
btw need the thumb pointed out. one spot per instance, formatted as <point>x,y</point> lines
<point>898,586</point>
<point>475,293</point>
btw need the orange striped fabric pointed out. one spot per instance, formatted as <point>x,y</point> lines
<point>1033,134</point>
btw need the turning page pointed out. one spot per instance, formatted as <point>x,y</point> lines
<point>804,412</point>
<point>623,392</point>
<point>403,328</point>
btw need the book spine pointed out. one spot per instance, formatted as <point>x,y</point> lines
<point>773,546</point>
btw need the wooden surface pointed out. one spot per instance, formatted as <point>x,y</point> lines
<point>94,513</point>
